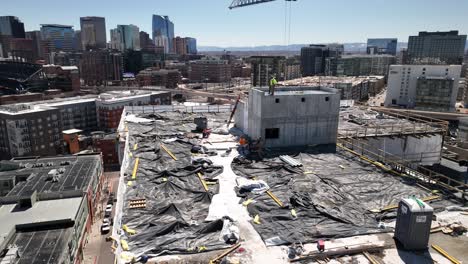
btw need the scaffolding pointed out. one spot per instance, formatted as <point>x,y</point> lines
<point>415,125</point>
<point>403,167</point>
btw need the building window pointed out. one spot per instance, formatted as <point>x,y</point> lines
<point>327,99</point>
<point>272,133</point>
<point>394,101</point>
<point>277,100</point>
<point>302,99</point>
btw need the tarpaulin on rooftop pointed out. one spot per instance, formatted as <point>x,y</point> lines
<point>176,202</point>
<point>331,195</point>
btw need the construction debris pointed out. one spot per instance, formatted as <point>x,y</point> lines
<point>223,255</point>
<point>340,252</point>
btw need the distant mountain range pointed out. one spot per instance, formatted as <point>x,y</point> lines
<point>349,47</point>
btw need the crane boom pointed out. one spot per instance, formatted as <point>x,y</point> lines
<point>241,3</point>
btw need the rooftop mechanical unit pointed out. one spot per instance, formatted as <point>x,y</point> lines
<point>413,224</point>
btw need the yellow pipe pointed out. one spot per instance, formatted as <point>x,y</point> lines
<point>202,181</point>
<point>135,168</point>
<point>168,152</point>
<point>445,254</point>
<point>394,206</point>
<point>275,199</point>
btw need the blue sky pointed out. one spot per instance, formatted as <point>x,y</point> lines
<point>212,23</point>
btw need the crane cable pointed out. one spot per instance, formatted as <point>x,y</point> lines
<point>287,22</point>
<point>289,30</point>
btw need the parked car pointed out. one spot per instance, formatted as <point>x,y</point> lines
<point>109,208</point>
<point>105,227</point>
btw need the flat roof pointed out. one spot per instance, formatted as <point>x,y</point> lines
<point>20,109</point>
<point>77,172</point>
<point>42,247</point>
<point>296,90</point>
<point>43,213</point>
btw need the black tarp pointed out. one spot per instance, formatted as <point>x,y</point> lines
<point>177,204</point>
<point>332,195</point>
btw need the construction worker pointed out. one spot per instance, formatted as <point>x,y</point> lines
<point>243,143</point>
<point>272,85</point>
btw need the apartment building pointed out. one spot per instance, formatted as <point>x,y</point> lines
<point>424,87</point>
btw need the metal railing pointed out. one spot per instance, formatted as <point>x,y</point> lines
<point>419,125</point>
<point>400,165</point>
<point>151,109</point>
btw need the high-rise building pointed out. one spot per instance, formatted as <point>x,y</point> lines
<point>436,48</point>
<point>77,45</point>
<point>146,43</point>
<point>313,57</point>
<point>180,46</point>
<point>163,32</point>
<point>125,37</point>
<point>93,32</point>
<point>266,67</point>
<point>99,67</point>
<point>382,46</point>
<point>11,26</point>
<point>191,45</point>
<point>56,38</point>
<point>35,36</point>
<point>424,87</point>
<point>359,65</point>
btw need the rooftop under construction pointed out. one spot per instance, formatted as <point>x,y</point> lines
<point>188,199</point>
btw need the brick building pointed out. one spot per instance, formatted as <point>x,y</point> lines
<point>210,70</point>
<point>106,144</point>
<point>180,46</point>
<point>110,105</point>
<point>100,67</point>
<point>242,71</point>
<point>64,78</point>
<point>155,77</point>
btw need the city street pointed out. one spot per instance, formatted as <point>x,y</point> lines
<point>98,250</point>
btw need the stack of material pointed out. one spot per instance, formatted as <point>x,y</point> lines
<point>289,160</point>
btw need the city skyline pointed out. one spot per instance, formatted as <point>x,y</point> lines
<point>216,25</point>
